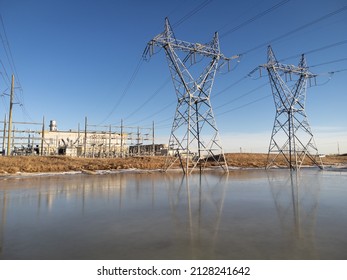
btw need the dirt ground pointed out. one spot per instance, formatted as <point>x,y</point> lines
<point>34,164</point>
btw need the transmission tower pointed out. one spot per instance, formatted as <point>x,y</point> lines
<point>292,138</point>
<point>194,138</point>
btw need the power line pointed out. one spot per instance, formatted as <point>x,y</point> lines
<point>316,50</point>
<point>242,96</point>
<point>248,75</point>
<point>157,112</point>
<point>9,55</point>
<point>8,51</point>
<point>25,112</point>
<point>180,21</point>
<point>242,13</point>
<point>3,102</point>
<point>3,77</point>
<point>254,18</point>
<point>337,71</point>
<point>149,99</point>
<point>329,62</point>
<point>287,58</point>
<point>296,29</point>
<point>254,90</point>
<point>8,78</point>
<point>163,85</point>
<point>245,105</point>
<point>192,12</point>
<point>230,86</point>
<point>125,91</point>
<point>278,38</point>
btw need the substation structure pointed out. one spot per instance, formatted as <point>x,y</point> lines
<point>91,141</point>
<point>194,140</point>
<point>291,138</point>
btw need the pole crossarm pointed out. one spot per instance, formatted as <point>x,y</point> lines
<point>292,138</point>
<point>194,139</point>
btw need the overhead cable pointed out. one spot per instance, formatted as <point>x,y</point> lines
<point>192,12</point>
<point>149,99</point>
<point>254,18</point>
<point>344,8</point>
<point>316,50</point>
<point>245,105</point>
<point>8,52</point>
<point>125,91</point>
<point>329,62</point>
<point>242,96</point>
<point>156,113</point>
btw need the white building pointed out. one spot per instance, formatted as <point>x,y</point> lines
<point>84,143</point>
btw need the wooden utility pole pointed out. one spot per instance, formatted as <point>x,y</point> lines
<point>121,138</point>
<point>109,141</point>
<point>4,137</point>
<point>10,119</point>
<point>138,141</point>
<point>85,136</point>
<point>42,135</point>
<point>153,143</point>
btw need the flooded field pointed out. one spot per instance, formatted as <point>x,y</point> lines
<point>249,214</point>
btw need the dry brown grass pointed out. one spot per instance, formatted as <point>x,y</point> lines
<point>260,160</point>
<point>32,164</point>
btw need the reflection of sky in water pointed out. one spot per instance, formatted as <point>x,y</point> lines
<point>250,214</point>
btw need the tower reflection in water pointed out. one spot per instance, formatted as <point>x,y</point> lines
<point>296,201</point>
<point>196,207</point>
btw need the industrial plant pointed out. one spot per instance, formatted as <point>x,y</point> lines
<point>91,141</point>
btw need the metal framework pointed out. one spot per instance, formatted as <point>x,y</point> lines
<point>92,141</point>
<point>291,138</point>
<point>194,138</point>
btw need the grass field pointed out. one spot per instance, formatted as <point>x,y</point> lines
<point>33,164</point>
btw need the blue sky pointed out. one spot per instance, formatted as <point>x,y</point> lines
<point>83,58</point>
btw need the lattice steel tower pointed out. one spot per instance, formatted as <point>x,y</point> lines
<point>194,138</point>
<point>292,138</point>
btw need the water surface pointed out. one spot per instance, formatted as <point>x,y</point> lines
<point>249,214</point>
